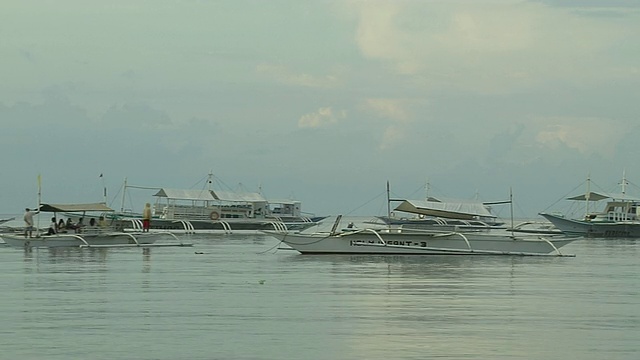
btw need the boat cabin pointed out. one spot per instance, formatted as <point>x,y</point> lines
<point>617,211</point>
<point>177,204</point>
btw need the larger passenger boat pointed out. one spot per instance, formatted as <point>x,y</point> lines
<point>618,219</point>
<point>213,211</point>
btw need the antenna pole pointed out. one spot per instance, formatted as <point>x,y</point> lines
<point>511,207</point>
<point>104,189</point>
<point>587,197</point>
<point>39,204</point>
<point>124,191</point>
<point>388,203</point>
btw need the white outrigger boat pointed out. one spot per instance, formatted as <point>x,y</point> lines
<point>88,236</point>
<point>2,221</point>
<point>399,241</point>
<point>209,211</point>
<point>620,217</point>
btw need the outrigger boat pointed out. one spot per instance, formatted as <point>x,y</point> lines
<point>100,235</point>
<point>401,241</point>
<point>2,221</point>
<point>187,211</point>
<point>439,214</point>
<point>620,217</point>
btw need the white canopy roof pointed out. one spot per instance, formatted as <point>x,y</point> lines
<point>449,209</point>
<point>239,197</point>
<point>594,196</point>
<point>180,194</point>
<point>210,195</point>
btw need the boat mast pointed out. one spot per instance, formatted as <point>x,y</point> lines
<point>209,180</point>
<point>511,207</point>
<point>426,190</point>
<point>587,196</point>
<point>623,184</point>
<point>104,189</point>
<point>39,204</point>
<point>124,191</point>
<point>388,202</point>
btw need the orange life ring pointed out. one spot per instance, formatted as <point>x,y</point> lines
<point>214,215</point>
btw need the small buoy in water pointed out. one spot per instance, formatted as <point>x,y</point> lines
<point>261,282</point>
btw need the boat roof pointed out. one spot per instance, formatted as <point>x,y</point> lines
<point>594,196</point>
<point>182,194</point>
<point>238,196</point>
<point>426,207</point>
<point>98,207</point>
<point>209,195</point>
<point>285,201</point>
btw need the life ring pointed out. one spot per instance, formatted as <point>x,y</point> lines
<point>214,215</point>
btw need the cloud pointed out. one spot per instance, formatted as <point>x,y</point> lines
<point>393,109</point>
<point>283,75</point>
<point>321,118</point>
<point>586,135</point>
<point>398,112</point>
<point>494,47</point>
<point>393,135</point>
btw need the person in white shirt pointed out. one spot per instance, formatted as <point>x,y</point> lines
<point>28,222</point>
<point>52,227</point>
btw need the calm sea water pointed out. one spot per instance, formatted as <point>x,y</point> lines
<point>240,297</point>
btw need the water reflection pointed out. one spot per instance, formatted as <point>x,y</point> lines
<point>419,266</point>
<point>146,260</point>
<point>77,259</point>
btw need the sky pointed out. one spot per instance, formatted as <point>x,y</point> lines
<point>322,101</point>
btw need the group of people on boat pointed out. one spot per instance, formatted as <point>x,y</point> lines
<point>63,227</point>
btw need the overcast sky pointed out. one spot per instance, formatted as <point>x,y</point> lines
<point>323,101</point>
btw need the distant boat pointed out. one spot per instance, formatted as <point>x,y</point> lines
<point>619,218</point>
<point>2,221</point>
<point>442,214</point>
<point>214,211</point>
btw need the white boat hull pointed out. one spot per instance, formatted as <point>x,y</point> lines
<point>81,240</point>
<point>597,229</point>
<point>422,243</point>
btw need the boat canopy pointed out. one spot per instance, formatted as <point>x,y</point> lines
<point>191,194</point>
<point>461,210</point>
<point>594,196</point>
<point>251,197</point>
<point>97,207</point>
<point>210,195</point>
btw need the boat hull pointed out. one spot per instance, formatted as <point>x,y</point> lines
<point>221,226</point>
<point>80,240</point>
<point>595,229</point>
<point>414,243</point>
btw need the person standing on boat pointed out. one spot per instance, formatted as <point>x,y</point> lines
<point>28,222</point>
<point>146,217</point>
